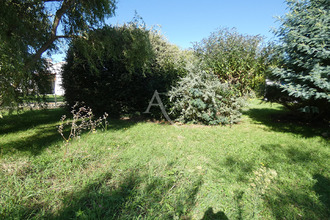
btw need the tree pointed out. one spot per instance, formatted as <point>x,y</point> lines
<point>304,73</point>
<point>240,60</point>
<point>31,27</point>
<point>118,68</point>
<point>106,71</point>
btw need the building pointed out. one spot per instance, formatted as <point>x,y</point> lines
<point>55,70</point>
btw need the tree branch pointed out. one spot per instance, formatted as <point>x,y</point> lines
<point>53,0</point>
<point>70,36</point>
<point>59,14</point>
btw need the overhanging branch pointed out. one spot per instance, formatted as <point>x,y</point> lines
<point>70,36</point>
<point>59,14</point>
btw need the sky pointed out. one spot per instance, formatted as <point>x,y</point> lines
<point>186,21</point>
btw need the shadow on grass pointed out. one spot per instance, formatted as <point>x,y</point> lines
<point>242,169</point>
<point>239,203</point>
<point>40,123</point>
<point>135,196</point>
<point>99,200</point>
<point>322,189</point>
<point>280,120</point>
<point>292,154</point>
<point>238,169</point>
<point>295,201</point>
<point>29,119</point>
<point>210,215</point>
<point>34,144</point>
<point>34,118</point>
<point>43,132</point>
<point>120,124</point>
<point>127,196</point>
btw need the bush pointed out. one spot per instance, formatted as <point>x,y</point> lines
<point>200,97</point>
<point>118,68</point>
<point>105,71</point>
<point>237,59</point>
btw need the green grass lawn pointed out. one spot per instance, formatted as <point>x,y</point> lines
<point>258,169</point>
<point>45,98</point>
<point>52,98</point>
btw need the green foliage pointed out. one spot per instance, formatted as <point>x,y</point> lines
<point>22,29</point>
<point>154,171</point>
<point>107,70</point>
<point>168,62</point>
<point>17,84</point>
<point>200,97</point>
<point>237,59</point>
<point>305,72</point>
<point>118,68</point>
<point>28,29</point>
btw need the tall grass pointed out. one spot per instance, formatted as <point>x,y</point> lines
<point>144,170</point>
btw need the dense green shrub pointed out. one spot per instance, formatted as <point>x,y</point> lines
<point>118,68</point>
<point>168,62</point>
<point>104,71</point>
<point>237,59</point>
<point>200,97</point>
<point>304,72</point>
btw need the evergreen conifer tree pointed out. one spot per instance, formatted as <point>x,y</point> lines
<point>304,73</point>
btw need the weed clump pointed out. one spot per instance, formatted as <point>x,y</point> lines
<point>83,119</point>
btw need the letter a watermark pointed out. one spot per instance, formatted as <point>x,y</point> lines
<point>160,104</point>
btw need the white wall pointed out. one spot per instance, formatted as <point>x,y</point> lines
<point>57,69</point>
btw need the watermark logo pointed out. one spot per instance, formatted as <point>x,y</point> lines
<point>160,104</point>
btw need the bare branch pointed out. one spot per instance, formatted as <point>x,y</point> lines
<point>59,14</point>
<point>53,0</point>
<point>70,36</point>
